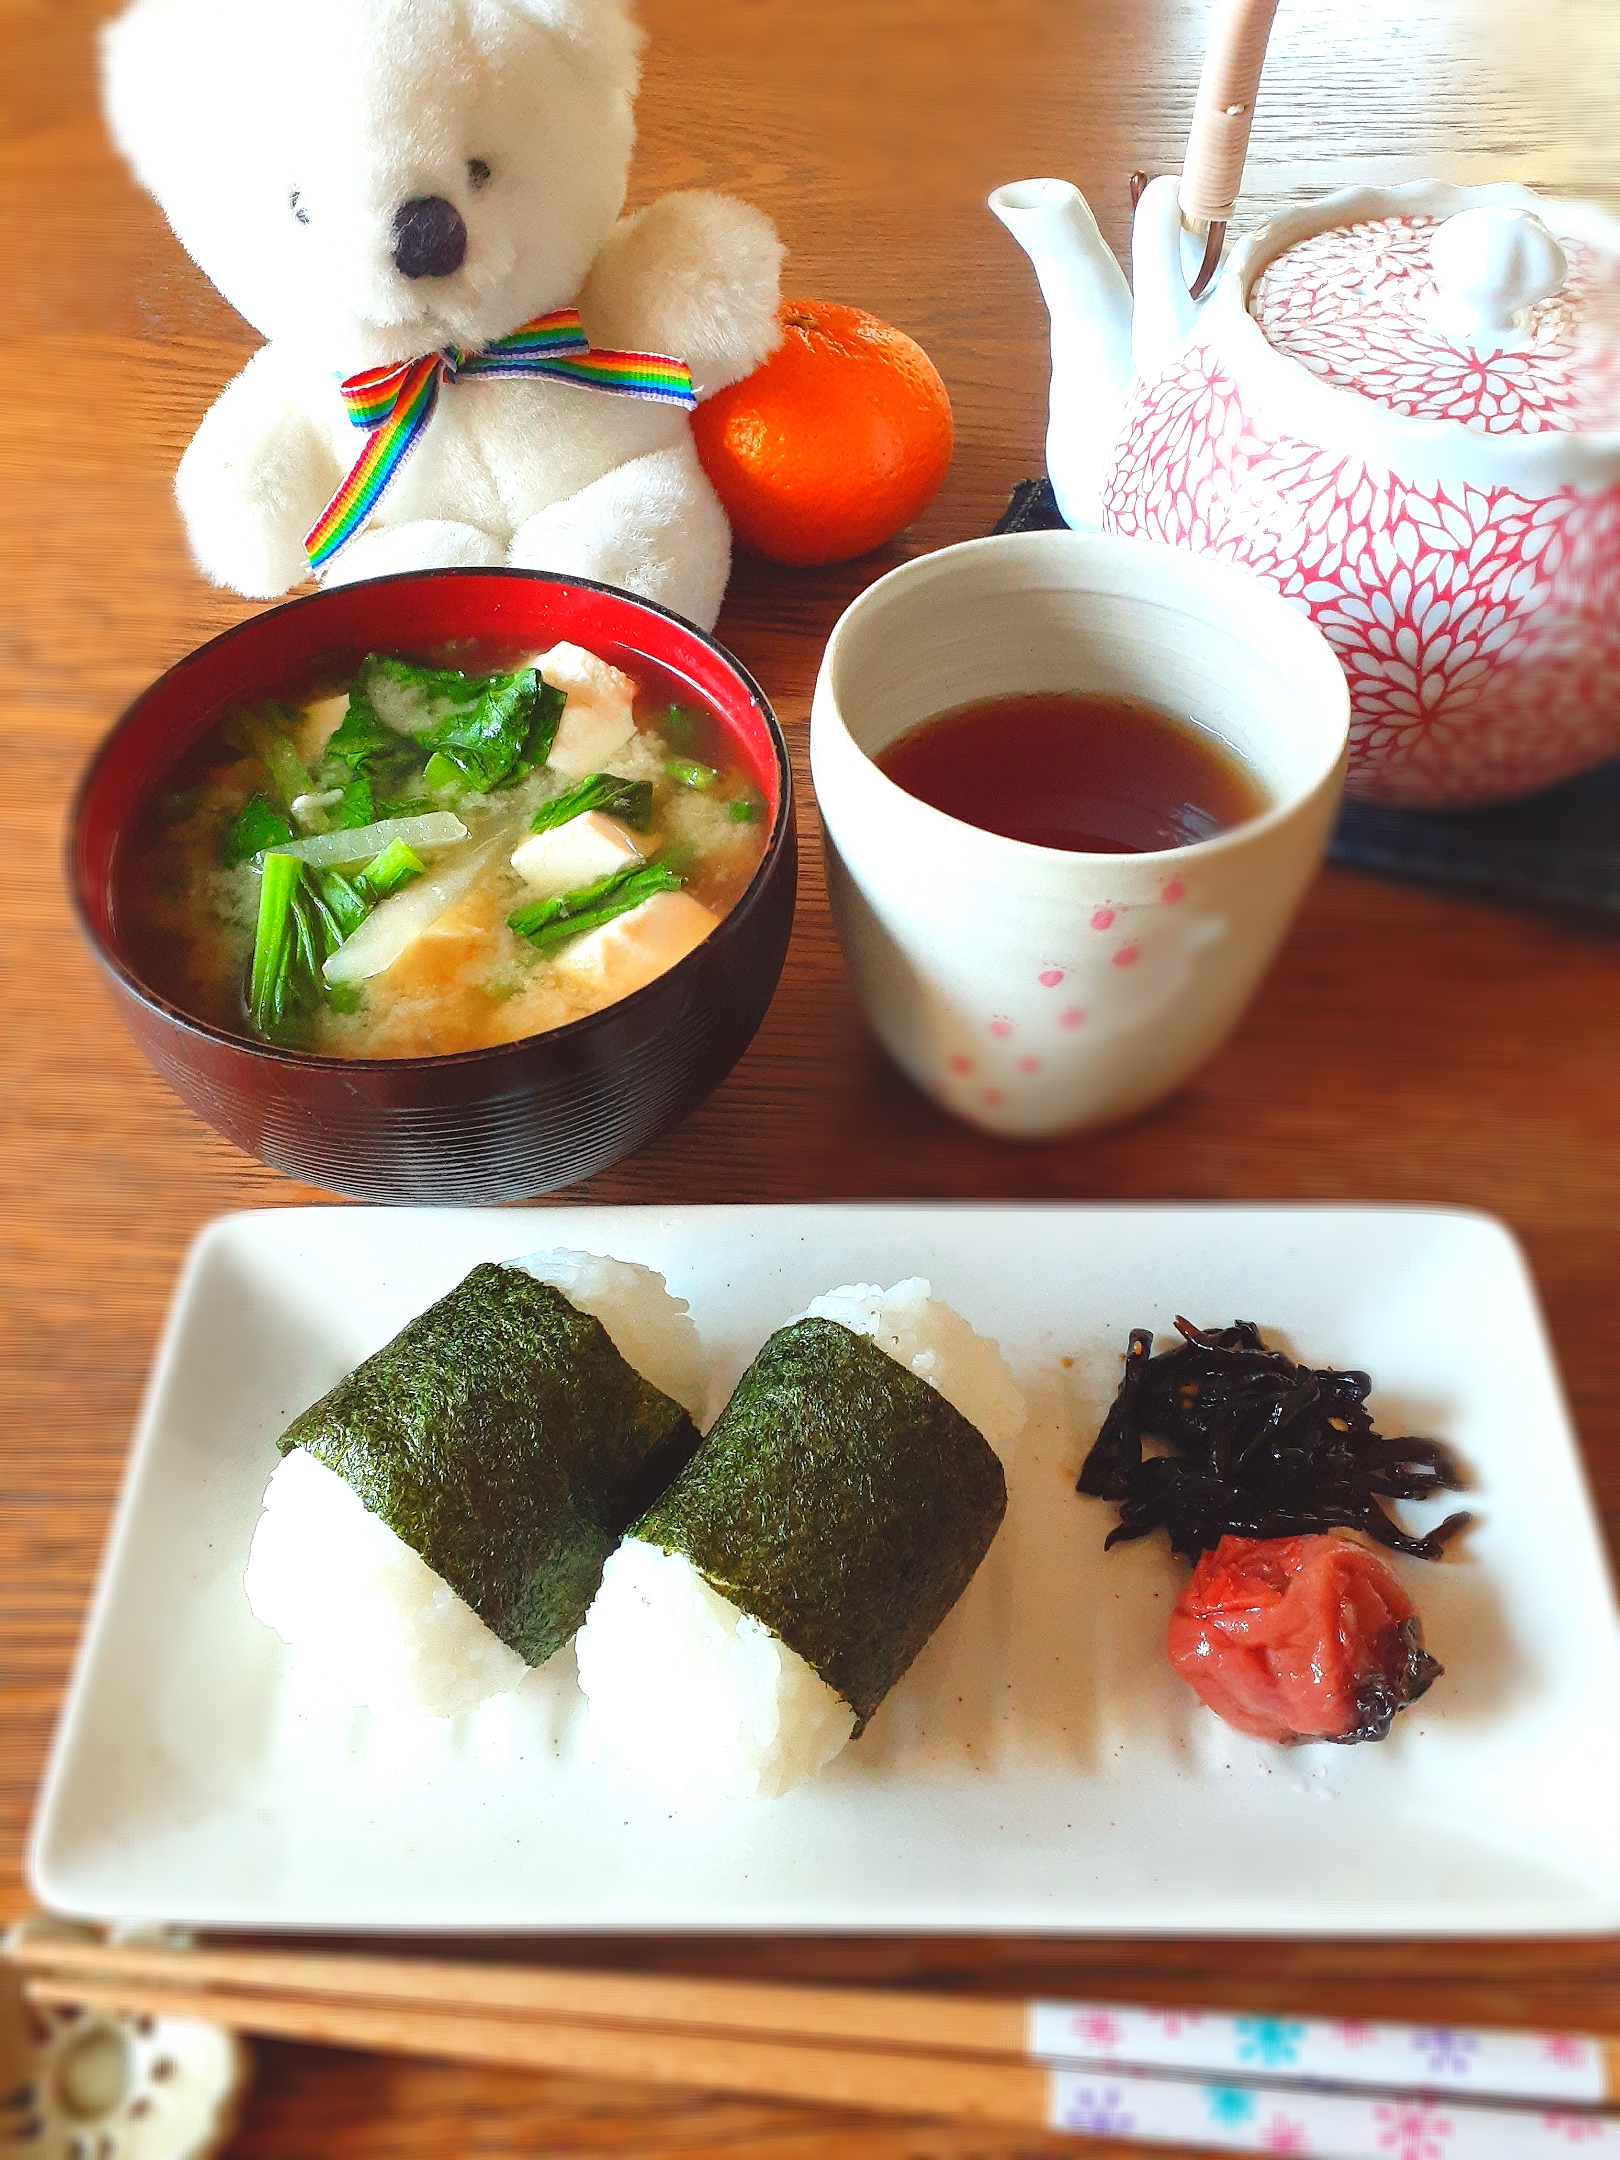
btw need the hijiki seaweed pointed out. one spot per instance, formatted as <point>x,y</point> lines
<point>1258,1447</point>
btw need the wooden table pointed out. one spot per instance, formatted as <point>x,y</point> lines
<point>1407,1047</point>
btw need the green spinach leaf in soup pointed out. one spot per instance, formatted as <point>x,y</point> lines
<point>503,734</point>
<point>255,827</point>
<point>630,801</point>
<point>358,738</point>
<point>410,727</point>
<point>368,760</point>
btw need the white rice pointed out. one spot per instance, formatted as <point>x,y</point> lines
<point>701,1698</point>
<point>923,1333</point>
<point>376,1624</point>
<point>694,1694</point>
<point>648,1325</point>
<point>360,1607</point>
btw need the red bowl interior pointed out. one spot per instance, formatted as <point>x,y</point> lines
<point>320,638</point>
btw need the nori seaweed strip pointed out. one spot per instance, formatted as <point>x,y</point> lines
<point>502,1436</point>
<point>1260,1447</point>
<point>840,1500</point>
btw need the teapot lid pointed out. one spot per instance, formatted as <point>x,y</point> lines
<point>1484,319</point>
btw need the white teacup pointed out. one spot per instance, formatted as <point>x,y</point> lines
<point>1027,989</point>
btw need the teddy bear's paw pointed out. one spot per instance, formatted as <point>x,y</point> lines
<point>423,544</point>
<point>253,480</point>
<point>695,275</point>
<point>653,526</point>
<point>243,554</point>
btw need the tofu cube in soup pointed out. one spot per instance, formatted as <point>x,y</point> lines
<point>575,854</point>
<point>634,948</point>
<point>599,717</point>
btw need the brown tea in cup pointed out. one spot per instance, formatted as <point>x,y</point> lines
<point>1090,773</point>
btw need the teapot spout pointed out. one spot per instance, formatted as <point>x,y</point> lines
<point>1089,304</point>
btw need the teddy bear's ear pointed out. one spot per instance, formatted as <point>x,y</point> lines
<point>131,72</point>
<point>160,72</point>
<point>605,30</point>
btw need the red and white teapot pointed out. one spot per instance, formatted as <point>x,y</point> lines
<point>1398,406</point>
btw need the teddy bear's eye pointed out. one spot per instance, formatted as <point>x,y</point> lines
<point>477,173</point>
<point>293,204</point>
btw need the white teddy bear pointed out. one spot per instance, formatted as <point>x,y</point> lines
<point>375,184</point>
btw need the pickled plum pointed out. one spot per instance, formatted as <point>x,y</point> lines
<point>1300,1639</point>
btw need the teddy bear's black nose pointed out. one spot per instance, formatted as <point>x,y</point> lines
<point>429,238</point>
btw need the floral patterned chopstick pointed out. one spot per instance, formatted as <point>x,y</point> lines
<point>1341,2090</point>
<point>1570,2069</point>
<point>1135,2107</point>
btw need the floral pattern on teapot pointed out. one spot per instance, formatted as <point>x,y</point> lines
<point>1399,408</point>
<point>1351,305</point>
<point>1479,627</point>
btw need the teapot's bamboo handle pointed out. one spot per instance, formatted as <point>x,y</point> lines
<point>1224,113</point>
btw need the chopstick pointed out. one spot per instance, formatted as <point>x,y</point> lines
<point>877,2081</point>
<point>1128,2106</point>
<point>961,2025</point>
<point>1560,2068</point>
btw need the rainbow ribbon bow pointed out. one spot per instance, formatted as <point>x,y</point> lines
<point>396,403</point>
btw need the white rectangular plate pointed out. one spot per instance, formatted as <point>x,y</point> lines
<point>1039,1767</point>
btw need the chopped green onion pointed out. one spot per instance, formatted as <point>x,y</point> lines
<point>745,809</point>
<point>689,773</point>
<point>394,867</point>
<point>254,828</point>
<point>344,997</point>
<point>628,800</point>
<point>550,923</point>
<point>679,727</point>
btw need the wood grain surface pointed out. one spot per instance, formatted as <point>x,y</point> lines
<point>1407,1046</point>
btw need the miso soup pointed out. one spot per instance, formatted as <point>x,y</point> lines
<point>427,860</point>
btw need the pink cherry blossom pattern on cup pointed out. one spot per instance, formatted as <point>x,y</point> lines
<point>1037,990</point>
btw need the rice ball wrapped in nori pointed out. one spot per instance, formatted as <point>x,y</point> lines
<point>439,1520</point>
<point>758,1613</point>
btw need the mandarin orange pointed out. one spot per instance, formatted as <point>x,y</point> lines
<point>836,442</point>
